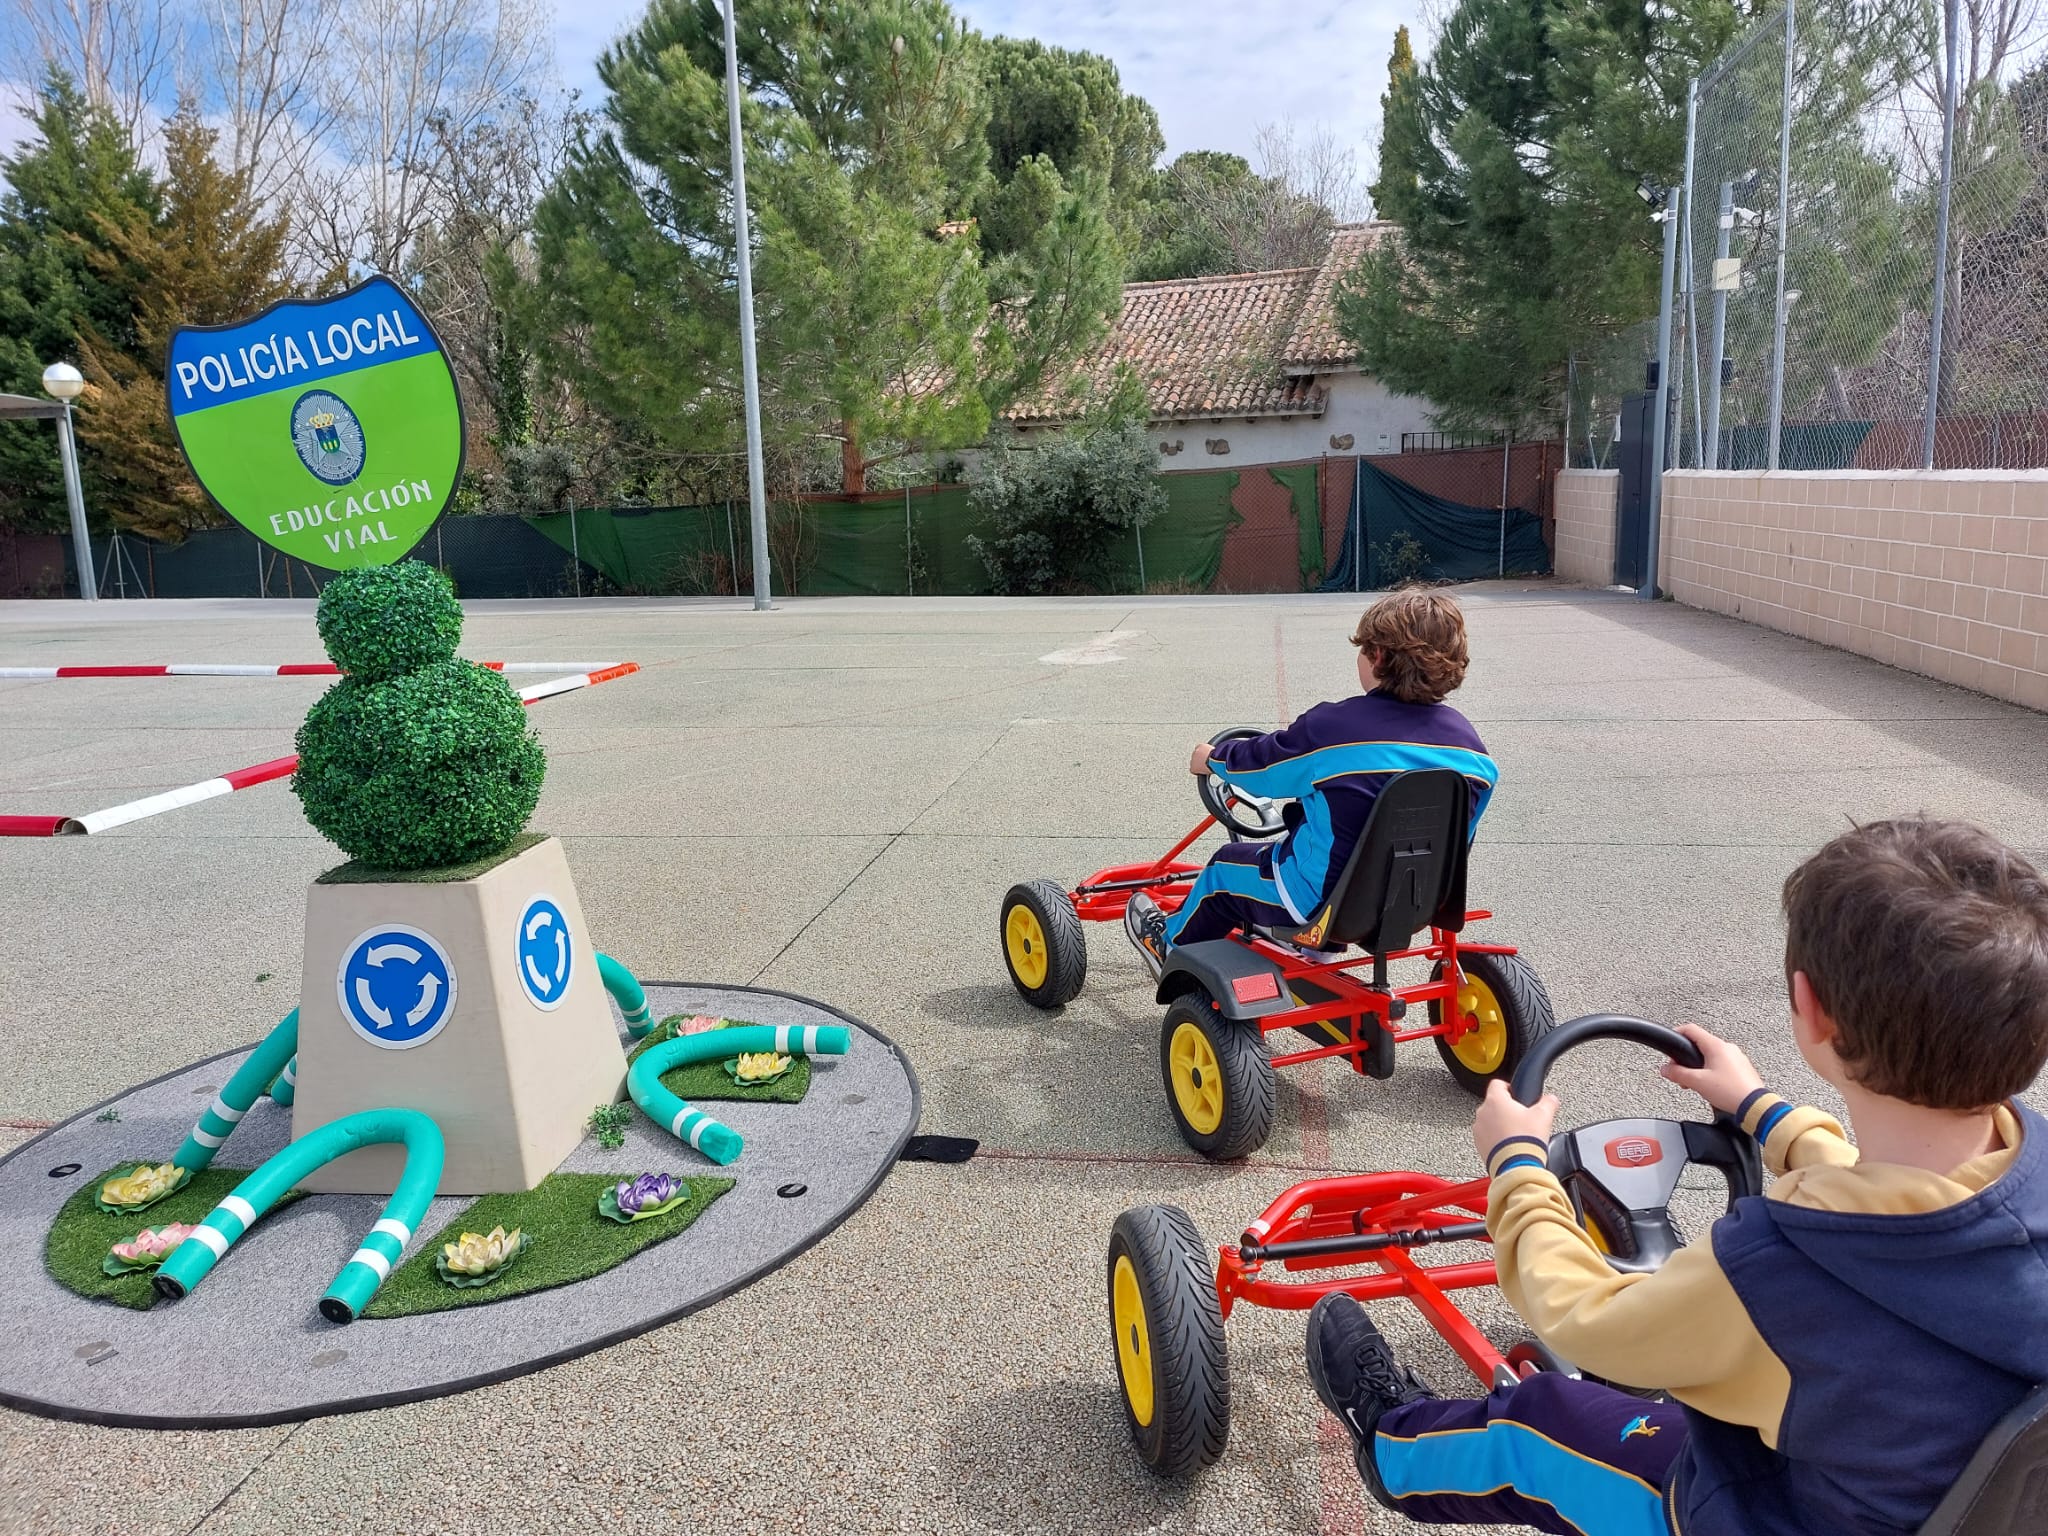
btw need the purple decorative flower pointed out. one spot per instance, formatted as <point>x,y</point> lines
<point>646,1193</point>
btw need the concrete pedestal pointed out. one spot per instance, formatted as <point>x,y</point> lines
<point>476,1001</point>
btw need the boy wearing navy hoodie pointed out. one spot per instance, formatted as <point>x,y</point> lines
<point>1834,1351</point>
<point>1331,763</point>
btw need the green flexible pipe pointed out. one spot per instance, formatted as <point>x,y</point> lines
<point>721,1143</point>
<point>192,1260</point>
<point>627,993</point>
<point>286,1088</point>
<point>275,1056</point>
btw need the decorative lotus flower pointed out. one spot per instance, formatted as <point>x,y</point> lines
<point>141,1186</point>
<point>698,1023</point>
<point>650,1189</point>
<point>147,1249</point>
<point>637,1199</point>
<point>760,1066</point>
<point>479,1258</point>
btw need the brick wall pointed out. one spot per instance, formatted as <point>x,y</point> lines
<point>1586,501</point>
<point>1942,573</point>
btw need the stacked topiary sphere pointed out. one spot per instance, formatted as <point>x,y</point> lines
<point>414,759</point>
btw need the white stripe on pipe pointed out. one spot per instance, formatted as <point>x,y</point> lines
<point>212,1239</point>
<point>397,1229</point>
<point>675,1126</point>
<point>810,1045</point>
<point>217,669</point>
<point>206,1138</point>
<point>290,1074</point>
<point>44,674</point>
<point>226,1111</point>
<point>782,1037</point>
<point>373,1261</point>
<point>549,690</point>
<point>697,1132</point>
<point>240,1209</point>
<point>135,810</point>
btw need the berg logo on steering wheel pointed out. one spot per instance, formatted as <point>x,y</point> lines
<point>397,987</point>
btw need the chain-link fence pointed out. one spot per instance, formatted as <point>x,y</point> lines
<point>1862,248</point>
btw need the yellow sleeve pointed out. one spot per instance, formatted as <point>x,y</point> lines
<point>1794,1137</point>
<point>1682,1329</point>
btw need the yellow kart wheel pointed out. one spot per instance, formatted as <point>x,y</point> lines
<point>1172,1368</point>
<point>1043,946</point>
<point>1219,1080</point>
<point>1510,1011</point>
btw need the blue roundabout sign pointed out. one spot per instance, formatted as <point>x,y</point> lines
<point>547,953</point>
<point>397,987</point>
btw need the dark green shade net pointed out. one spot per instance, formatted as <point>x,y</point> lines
<point>1407,533</point>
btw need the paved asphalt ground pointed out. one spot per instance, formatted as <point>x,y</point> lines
<point>831,799</point>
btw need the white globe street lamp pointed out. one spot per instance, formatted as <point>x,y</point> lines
<point>63,382</point>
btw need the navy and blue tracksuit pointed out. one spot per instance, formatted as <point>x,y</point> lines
<point>1332,763</point>
<point>1837,1350</point>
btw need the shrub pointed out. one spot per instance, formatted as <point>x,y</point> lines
<point>382,621</point>
<point>429,765</point>
<point>1054,512</point>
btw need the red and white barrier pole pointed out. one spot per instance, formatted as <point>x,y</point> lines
<point>274,669</point>
<point>243,778</point>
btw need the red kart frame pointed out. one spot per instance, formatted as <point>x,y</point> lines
<point>1376,1218</point>
<point>1102,897</point>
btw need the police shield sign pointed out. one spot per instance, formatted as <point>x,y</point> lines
<point>328,428</point>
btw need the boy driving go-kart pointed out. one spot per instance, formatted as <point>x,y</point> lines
<point>1331,763</point>
<point>1835,1352</point>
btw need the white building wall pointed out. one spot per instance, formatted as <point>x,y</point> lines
<point>1357,407</point>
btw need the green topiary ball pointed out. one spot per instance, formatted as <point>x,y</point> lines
<point>382,621</point>
<point>434,768</point>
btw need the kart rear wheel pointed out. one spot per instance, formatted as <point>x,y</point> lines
<point>1508,998</point>
<point>1043,945</point>
<point>1166,1326</point>
<point>1220,1082</point>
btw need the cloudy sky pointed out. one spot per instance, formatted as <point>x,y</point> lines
<point>1214,69</point>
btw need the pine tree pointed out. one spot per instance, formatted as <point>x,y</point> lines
<point>64,188</point>
<point>1403,143</point>
<point>209,258</point>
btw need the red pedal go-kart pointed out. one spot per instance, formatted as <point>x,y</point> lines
<point>1486,1006</point>
<point>1167,1304</point>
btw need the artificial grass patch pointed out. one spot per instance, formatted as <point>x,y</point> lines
<point>82,1233</point>
<point>570,1242</point>
<point>708,1079</point>
<point>357,872</point>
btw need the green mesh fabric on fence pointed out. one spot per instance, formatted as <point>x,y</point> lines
<point>650,550</point>
<point>1299,481</point>
<point>890,547</point>
<point>1183,546</point>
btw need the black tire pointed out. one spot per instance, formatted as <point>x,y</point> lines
<point>1181,1356</point>
<point>1066,946</point>
<point>1525,1012</point>
<point>1243,1075</point>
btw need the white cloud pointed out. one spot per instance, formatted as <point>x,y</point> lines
<point>1213,70</point>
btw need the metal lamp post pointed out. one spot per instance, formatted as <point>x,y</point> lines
<point>65,383</point>
<point>757,504</point>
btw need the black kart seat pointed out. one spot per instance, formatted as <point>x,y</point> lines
<point>2004,1489</point>
<point>1407,870</point>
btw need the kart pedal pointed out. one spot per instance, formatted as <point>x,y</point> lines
<point>1377,1059</point>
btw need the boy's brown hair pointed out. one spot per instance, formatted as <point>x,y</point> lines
<point>1420,635</point>
<point>1927,943</point>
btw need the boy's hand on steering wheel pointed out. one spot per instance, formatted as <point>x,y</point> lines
<point>1198,760</point>
<point>1501,1115</point>
<point>1724,1079</point>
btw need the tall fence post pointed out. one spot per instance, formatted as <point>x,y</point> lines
<point>1139,530</point>
<point>1661,400</point>
<point>1357,521</point>
<point>1724,233</point>
<point>1692,303</point>
<point>732,549</point>
<point>1938,313</point>
<point>575,551</point>
<point>1784,238</point>
<point>909,563</point>
<point>1507,450</point>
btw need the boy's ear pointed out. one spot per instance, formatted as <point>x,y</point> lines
<point>1811,1025</point>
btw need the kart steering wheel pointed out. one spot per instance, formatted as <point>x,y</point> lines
<point>1621,1174</point>
<point>1228,804</point>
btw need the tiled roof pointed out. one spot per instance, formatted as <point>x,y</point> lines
<point>1315,342</point>
<point>1214,347</point>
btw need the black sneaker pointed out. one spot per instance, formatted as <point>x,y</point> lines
<point>1356,1375</point>
<point>1146,926</point>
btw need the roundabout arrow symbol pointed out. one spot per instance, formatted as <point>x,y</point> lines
<point>430,988</point>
